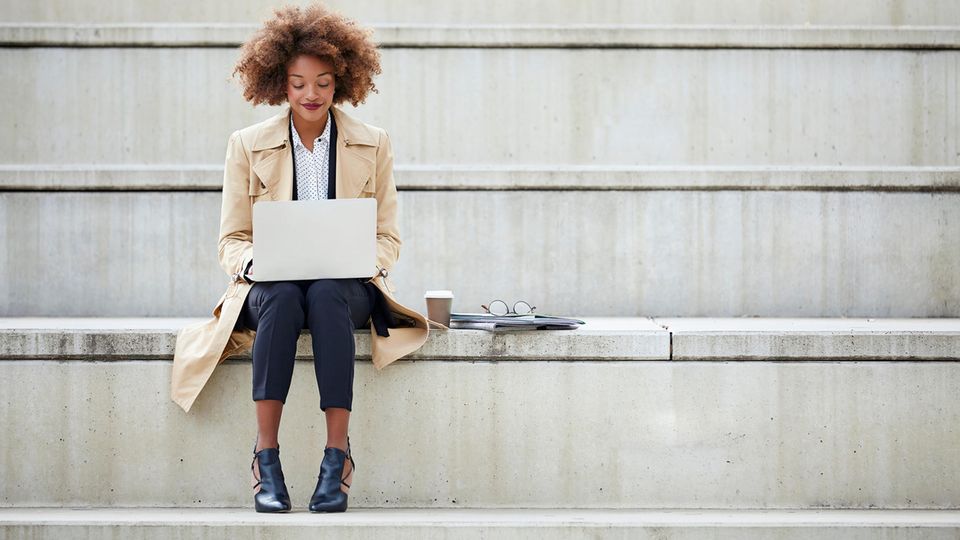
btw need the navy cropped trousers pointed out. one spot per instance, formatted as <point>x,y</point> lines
<point>331,309</point>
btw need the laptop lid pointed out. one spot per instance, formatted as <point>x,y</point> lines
<point>322,239</point>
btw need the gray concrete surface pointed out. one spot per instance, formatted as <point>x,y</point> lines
<point>93,177</point>
<point>822,339</point>
<point>854,12</point>
<point>499,524</point>
<point>142,338</point>
<point>601,338</point>
<point>589,253</point>
<point>604,434</point>
<point>512,35</point>
<point>849,433</point>
<point>659,107</point>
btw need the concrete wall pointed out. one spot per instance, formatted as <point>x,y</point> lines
<point>826,12</point>
<point>685,253</point>
<point>606,434</point>
<point>537,113</point>
<point>512,106</point>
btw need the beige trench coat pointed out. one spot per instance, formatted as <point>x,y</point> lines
<point>259,168</point>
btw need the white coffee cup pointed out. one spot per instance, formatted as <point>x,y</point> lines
<point>439,304</point>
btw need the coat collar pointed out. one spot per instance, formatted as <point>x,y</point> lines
<point>356,155</point>
<point>275,130</point>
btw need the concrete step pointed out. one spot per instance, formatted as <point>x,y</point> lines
<point>606,338</point>
<point>500,420</point>
<point>243,523</point>
<point>209,177</point>
<point>658,107</point>
<point>507,35</point>
<point>760,339</point>
<point>699,12</point>
<point>659,252</point>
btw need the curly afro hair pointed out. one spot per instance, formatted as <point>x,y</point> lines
<point>315,31</point>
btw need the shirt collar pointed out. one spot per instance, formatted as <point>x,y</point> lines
<point>297,143</point>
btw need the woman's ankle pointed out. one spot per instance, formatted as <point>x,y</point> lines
<point>339,445</point>
<point>265,442</point>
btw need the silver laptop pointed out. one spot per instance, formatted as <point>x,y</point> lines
<point>325,239</point>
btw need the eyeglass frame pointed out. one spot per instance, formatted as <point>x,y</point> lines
<point>509,311</point>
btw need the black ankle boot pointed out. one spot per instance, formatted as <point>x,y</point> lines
<point>328,497</point>
<point>273,496</point>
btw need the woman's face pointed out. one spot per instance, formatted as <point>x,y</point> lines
<point>310,87</point>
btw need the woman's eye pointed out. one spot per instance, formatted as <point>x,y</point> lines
<point>298,87</point>
<point>324,85</point>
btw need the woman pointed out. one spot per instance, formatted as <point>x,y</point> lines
<point>311,59</point>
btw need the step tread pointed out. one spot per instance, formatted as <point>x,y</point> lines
<point>601,338</point>
<point>630,325</point>
<point>200,177</point>
<point>486,517</point>
<point>808,325</point>
<point>812,338</point>
<point>502,35</point>
<point>594,325</point>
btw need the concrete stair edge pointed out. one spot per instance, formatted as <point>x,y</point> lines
<point>203,177</point>
<point>601,339</point>
<point>409,524</point>
<point>532,517</point>
<point>815,12</point>
<point>502,36</point>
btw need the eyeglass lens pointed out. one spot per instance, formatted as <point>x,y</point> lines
<point>522,308</point>
<point>498,307</point>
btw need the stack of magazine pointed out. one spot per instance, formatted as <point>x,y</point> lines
<point>486,321</point>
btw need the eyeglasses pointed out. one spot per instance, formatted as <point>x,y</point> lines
<point>499,308</point>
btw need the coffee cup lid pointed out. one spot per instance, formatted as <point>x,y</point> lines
<point>438,294</point>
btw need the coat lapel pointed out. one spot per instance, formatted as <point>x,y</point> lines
<point>271,156</point>
<point>356,155</point>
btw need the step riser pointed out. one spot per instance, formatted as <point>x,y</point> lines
<point>866,12</point>
<point>471,531</point>
<point>722,253</point>
<point>654,107</point>
<point>603,434</point>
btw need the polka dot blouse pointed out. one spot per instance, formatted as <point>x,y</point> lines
<point>313,168</point>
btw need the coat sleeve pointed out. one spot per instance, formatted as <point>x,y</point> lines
<point>388,233</point>
<point>235,248</point>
